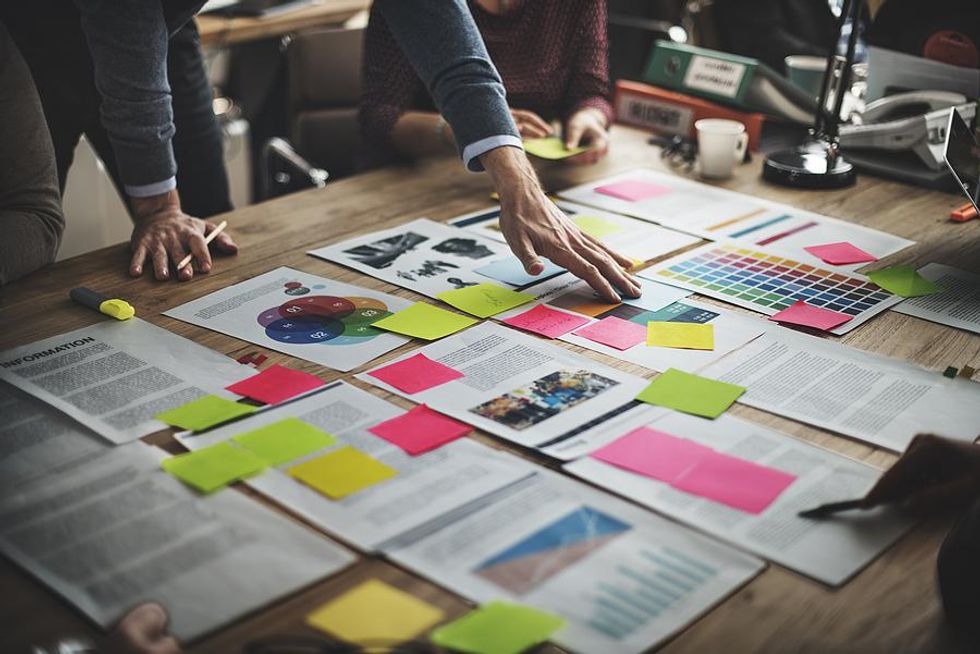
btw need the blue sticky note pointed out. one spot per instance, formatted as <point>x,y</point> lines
<point>510,270</point>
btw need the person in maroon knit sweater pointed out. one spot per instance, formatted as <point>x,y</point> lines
<point>551,55</point>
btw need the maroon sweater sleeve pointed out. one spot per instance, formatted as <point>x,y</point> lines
<point>588,85</point>
<point>388,88</point>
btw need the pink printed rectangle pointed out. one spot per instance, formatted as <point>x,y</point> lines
<point>415,374</point>
<point>614,332</point>
<point>546,321</point>
<point>632,190</point>
<point>420,430</point>
<point>801,313</point>
<point>840,254</point>
<point>653,453</point>
<point>734,482</point>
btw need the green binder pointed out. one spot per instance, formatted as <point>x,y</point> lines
<point>739,82</point>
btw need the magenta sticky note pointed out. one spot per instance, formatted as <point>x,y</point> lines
<point>420,430</point>
<point>276,384</point>
<point>415,374</point>
<point>546,321</point>
<point>653,454</point>
<point>801,313</point>
<point>840,254</point>
<point>734,482</point>
<point>632,190</point>
<point>614,332</point>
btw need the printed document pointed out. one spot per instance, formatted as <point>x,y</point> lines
<point>303,315</point>
<point>958,305</point>
<point>113,377</point>
<point>830,551</point>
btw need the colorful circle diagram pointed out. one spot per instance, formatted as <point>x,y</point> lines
<point>322,318</point>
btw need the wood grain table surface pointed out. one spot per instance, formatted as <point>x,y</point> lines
<point>219,30</point>
<point>891,606</point>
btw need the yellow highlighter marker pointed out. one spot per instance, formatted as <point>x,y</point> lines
<point>114,307</point>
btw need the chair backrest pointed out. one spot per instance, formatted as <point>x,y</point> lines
<point>324,92</point>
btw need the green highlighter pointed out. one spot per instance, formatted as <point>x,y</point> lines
<point>114,307</point>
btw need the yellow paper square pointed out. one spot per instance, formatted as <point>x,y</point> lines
<point>422,320</point>
<point>484,300</point>
<point>342,472</point>
<point>551,148</point>
<point>595,226</point>
<point>687,335</point>
<point>375,612</point>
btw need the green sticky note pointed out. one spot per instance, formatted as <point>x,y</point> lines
<point>284,441</point>
<point>204,412</point>
<point>551,148</point>
<point>497,628</point>
<point>425,321</point>
<point>484,300</point>
<point>213,467</point>
<point>683,391</point>
<point>904,281</point>
<point>596,227</point>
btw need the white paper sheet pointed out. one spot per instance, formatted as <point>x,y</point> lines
<point>830,551</point>
<point>719,214</point>
<point>426,487</point>
<point>117,531</point>
<point>300,314</point>
<point>636,239</point>
<point>957,306</point>
<point>526,390</point>
<point>623,578</point>
<point>113,377</point>
<point>422,255</point>
<point>876,399</point>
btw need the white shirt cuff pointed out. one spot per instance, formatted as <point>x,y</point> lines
<point>156,188</point>
<point>472,152</point>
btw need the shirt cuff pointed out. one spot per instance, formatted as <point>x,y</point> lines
<point>472,152</point>
<point>147,190</point>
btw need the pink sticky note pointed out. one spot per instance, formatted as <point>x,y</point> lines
<point>653,453</point>
<point>801,313</point>
<point>420,430</point>
<point>840,254</point>
<point>614,332</point>
<point>632,190</point>
<point>415,374</point>
<point>734,482</point>
<point>546,321</point>
<point>276,384</point>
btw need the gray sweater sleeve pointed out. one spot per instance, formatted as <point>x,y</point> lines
<point>444,45</point>
<point>31,221</point>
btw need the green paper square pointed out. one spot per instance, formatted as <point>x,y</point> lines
<point>424,321</point>
<point>213,467</point>
<point>497,628</point>
<point>683,391</point>
<point>904,281</point>
<point>551,148</point>
<point>284,441</point>
<point>484,300</point>
<point>204,412</point>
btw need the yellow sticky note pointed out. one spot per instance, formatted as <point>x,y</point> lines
<point>213,467</point>
<point>596,227</point>
<point>375,612</point>
<point>687,335</point>
<point>484,300</point>
<point>424,321</point>
<point>204,412</point>
<point>551,148</point>
<point>342,472</point>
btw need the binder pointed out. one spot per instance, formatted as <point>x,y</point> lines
<point>739,82</point>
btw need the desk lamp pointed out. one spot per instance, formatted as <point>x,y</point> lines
<point>817,163</point>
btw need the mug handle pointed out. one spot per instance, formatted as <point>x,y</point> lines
<point>743,143</point>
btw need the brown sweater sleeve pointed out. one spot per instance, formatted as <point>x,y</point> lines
<point>589,83</point>
<point>31,220</point>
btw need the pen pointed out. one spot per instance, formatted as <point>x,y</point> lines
<point>825,510</point>
<point>207,239</point>
<point>118,309</point>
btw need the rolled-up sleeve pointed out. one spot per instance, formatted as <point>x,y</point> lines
<point>442,42</point>
<point>128,42</point>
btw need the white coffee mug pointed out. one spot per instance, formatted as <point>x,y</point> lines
<point>721,144</point>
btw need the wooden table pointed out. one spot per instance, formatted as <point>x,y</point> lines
<point>218,30</point>
<point>892,606</point>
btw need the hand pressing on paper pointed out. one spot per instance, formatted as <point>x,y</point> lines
<point>934,474</point>
<point>530,125</point>
<point>142,631</point>
<point>534,227</point>
<point>587,127</point>
<point>163,233</point>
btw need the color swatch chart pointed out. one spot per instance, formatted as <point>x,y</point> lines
<point>768,283</point>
